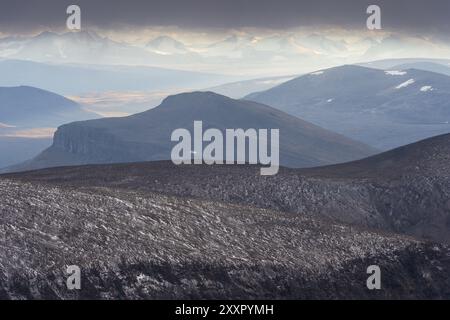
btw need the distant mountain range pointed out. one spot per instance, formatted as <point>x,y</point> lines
<point>236,53</point>
<point>166,45</point>
<point>75,79</point>
<point>75,47</point>
<point>87,47</point>
<point>146,136</point>
<point>382,108</point>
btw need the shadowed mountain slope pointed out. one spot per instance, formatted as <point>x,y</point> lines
<point>382,108</point>
<point>146,136</point>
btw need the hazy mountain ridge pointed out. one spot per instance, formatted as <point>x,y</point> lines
<point>240,89</point>
<point>32,107</point>
<point>28,118</point>
<point>86,78</point>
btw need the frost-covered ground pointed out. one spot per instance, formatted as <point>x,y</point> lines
<point>155,230</point>
<point>129,246</point>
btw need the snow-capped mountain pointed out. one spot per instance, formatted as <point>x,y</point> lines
<point>78,47</point>
<point>166,45</point>
<point>239,51</point>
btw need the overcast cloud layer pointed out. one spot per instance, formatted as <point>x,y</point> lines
<point>430,17</point>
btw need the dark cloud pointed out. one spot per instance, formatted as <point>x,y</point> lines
<point>410,15</point>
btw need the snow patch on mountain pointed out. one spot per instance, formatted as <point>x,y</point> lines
<point>405,84</point>
<point>426,88</point>
<point>317,73</point>
<point>395,73</point>
<point>4,125</point>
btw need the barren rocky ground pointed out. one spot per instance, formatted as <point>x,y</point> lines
<point>153,230</point>
<point>406,190</point>
<point>129,246</point>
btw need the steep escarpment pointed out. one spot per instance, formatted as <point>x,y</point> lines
<point>97,145</point>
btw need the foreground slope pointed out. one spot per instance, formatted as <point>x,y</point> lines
<point>131,245</point>
<point>406,190</point>
<point>146,136</point>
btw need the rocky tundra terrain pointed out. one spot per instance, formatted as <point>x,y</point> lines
<point>131,246</point>
<point>153,230</point>
<point>406,190</point>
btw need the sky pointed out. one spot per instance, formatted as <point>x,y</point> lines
<point>430,17</point>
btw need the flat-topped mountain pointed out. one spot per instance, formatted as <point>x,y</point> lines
<point>146,136</point>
